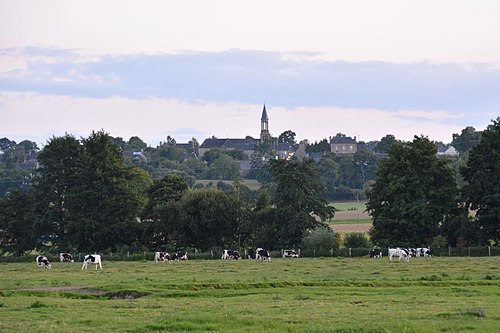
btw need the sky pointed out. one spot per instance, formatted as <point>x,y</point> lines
<point>202,68</point>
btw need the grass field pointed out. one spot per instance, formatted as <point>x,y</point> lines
<point>285,295</point>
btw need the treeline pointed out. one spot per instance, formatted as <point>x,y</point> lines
<point>87,196</point>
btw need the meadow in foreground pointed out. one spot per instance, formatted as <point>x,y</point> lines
<point>284,295</point>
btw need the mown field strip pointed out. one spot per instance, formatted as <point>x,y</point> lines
<point>284,295</point>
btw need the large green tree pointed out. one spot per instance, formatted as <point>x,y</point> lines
<point>17,233</point>
<point>299,199</point>
<point>210,218</point>
<point>105,203</point>
<point>482,177</point>
<point>414,191</point>
<point>53,185</point>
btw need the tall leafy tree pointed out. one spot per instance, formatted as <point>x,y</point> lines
<point>467,139</point>
<point>17,234</point>
<point>53,185</point>
<point>299,199</point>
<point>482,189</point>
<point>287,137</point>
<point>106,202</point>
<point>414,191</point>
<point>385,143</point>
<point>210,218</point>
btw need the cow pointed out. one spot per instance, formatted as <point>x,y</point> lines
<point>230,254</point>
<point>92,259</point>
<point>262,254</point>
<point>180,255</point>
<point>398,252</point>
<point>290,254</point>
<point>423,252</point>
<point>42,261</point>
<point>163,256</point>
<point>375,253</point>
<point>66,257</point>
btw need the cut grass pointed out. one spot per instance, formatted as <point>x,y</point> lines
<point>295,295</point>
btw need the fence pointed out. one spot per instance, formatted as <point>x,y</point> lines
<point>481,251</point>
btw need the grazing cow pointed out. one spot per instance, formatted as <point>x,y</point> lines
<point>375,253</point>
<point>42,261</point>
<point>261,254</point>
<point>181,255</point>
<point>290,254</point>
<point>92,259</point>
<point>423,252</point>
<point>66,257</point>
<point>400,253</point>
<point>230,254</point>
<point>163,256</point>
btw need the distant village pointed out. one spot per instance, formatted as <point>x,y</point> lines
<point>339,144</point>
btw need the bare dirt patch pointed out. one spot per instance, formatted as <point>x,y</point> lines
<point>351,215</point>
<point>349,228</point>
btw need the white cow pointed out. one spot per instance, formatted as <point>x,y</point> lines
<point>398,252</point>
<point>162,256</point>
<point>230,254</point>
<point>290,254</point>
<point>423,252</point>
<point>261,254</point>
<point>66,257</point>
<point>92,259</point>
<point>42,261</point>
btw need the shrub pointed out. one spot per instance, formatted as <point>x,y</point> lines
<point>321,239</point>
<point>356,239</point>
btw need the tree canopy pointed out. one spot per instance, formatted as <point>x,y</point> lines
<point>413,192</point>
<point>482,176</point>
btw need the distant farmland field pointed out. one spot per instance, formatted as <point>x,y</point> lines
<point>446,294</point>
<point>351,217</point>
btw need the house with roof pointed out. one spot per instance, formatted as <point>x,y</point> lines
<point>448,151</point>
<point>341,144</point>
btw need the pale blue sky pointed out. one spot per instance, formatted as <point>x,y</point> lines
<point>202,68</point>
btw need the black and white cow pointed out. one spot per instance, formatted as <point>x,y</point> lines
<point>66,257</point>
<point>423,252</point>
<point>230,254</point>
<point>181,255</point>
<point>262,254</point>
<point>375,253</point>
<point>163,256</point>
<point>290,254</point>
<point>92,259</point>
<point>398,252</point>
<point>42,261</point>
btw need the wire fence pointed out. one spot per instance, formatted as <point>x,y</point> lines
<point>479,251</point>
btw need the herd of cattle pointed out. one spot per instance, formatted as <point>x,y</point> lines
<point>260,254</point>
<point>402,253</point>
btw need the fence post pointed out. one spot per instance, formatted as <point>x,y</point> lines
<point>314,253</point>
<point>350,252</point>
<point>489,251</point>
<point>331,252</point>
<point>128,255</point>
<point>449,251</point>
<point>212,253</point>
<point>469,251</point>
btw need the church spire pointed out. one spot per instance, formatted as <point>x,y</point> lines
<point>264,126</point>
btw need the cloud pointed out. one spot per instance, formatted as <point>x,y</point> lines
<point>288,79</point>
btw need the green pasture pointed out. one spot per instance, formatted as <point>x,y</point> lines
<point>350,221</point>
<point>455,294</point>
<point>350,205</point>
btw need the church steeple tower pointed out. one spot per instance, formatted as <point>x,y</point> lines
<point>264,126</point>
